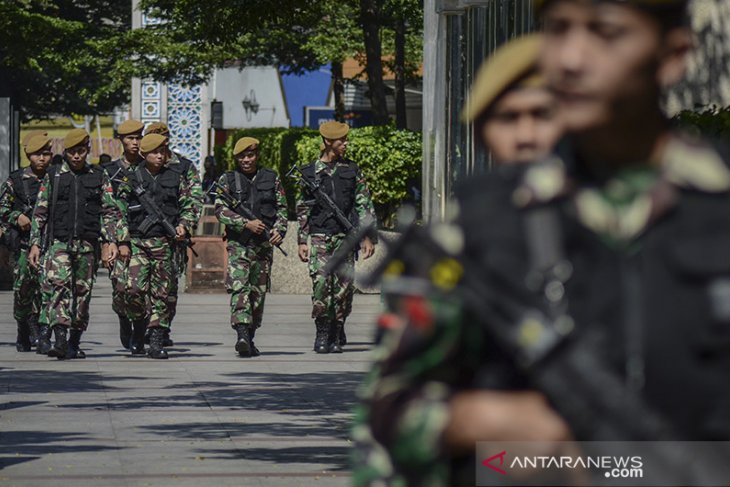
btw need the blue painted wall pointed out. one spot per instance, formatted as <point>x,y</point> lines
<point>308,89</point>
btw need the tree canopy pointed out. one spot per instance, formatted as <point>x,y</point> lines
<point>64,56</point>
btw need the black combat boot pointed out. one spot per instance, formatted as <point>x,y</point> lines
<point>34,330</point>
<point>125,331</point>
<point>156,349</point>
<point>137,344</point>
<point>252,333</point>
<point>335,344</point>
<point>74,344</point>
<point>321,340</point>
<point>166,340</point>
<point>44,340</point>
<point>60,347</point>
<point>22,339</point>
<point>343,337</point>
<point>243,341</point>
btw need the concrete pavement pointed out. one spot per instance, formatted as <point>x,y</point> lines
<point>203,417</point>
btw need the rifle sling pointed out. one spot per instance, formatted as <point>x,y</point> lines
<point>52,212</point>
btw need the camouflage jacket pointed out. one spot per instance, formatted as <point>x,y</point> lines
<point>113,229</point>
<point>363,207</point>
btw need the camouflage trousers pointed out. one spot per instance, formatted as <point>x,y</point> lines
<point>66,265</point>
<point>149,280</point>
<point>331,295</point>
<point>119,278</point>
<point>26,288</point>
<point>249,270</point>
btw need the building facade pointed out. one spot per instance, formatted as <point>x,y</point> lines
<point>460,34</point>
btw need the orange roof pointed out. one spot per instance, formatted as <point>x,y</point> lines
<point>352,68</point>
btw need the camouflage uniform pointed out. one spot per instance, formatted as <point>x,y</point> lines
<point>662,229</point>
<point>193,177</point>
<point>117,171</point>
<point>152,271</point>
<point>332,295</point>
<point>26,280</point>
<point>72,259</point>
<point>249,263</point>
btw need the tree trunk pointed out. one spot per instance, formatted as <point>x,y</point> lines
<point>338,86</point>
<point>400,73</point>
<point>376,86</point>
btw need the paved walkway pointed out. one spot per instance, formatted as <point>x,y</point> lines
<point>203,417</point>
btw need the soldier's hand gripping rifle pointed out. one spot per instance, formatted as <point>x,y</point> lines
<point>236,205</point>
<point>324,200</point>
<point>154,215</point>
<point>557,358</point>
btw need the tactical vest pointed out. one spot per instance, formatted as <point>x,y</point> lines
<point>341,188</point>
<point>661,305</point>
<point>116,172</point>
<point>163,190</point>
<point>26,192</point>
<point>77,210</point>
<point>259,195</point>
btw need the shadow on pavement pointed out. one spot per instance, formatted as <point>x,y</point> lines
<point>58,381</point>
<point>335,457</point>
<point>24,446</point>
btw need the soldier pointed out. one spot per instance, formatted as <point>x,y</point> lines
<point>189,172</point>
<point>633,224</point>
<point>515,116</point>
<point>250,252</point>
<point>161,209</point>
<point>321,234</point>
<point>130,135</point>
<point>16,208</point>
<point>75,208</point>
<point>511,106</point>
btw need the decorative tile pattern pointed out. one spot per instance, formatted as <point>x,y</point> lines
<point>151,101</point>
<point>184,110</point>
<point>179,106</point>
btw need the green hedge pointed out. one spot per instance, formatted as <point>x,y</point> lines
<point>389,158</point>
<point>711,121</point>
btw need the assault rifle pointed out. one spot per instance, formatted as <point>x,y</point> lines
<point>236,205</point>
<point>155,216</point>
<point>543,343</point>
<point>324,200</point>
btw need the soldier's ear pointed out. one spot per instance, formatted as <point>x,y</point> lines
<point>677,45</point>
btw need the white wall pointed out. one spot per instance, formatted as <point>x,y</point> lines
<point>259,83</point>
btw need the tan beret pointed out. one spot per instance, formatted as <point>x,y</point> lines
<point>157,128</point>
<point>333,130</point>
<point>130,126</point>
<point>31,134</point>
<point>151,142</point>
<point>75,137</point>
<point>510,63</point>
<point>243,144</point>
<point>36,142</point>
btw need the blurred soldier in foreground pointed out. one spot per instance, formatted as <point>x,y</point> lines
<point>335,194</point>
<point>251,203</point>
<point>75,209</point>
<point>130,135</point>
<point>586,297</point>
<point>187,168</point>
<point>160,208</point>
<point>16,209</point>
